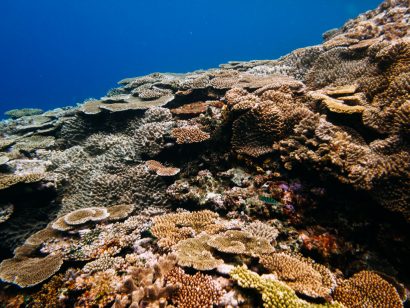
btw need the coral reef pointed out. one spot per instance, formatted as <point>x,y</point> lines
<point>296,168</point>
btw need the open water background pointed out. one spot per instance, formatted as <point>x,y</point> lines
<point>58,53</point>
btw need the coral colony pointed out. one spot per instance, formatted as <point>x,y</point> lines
<point>277,183</point>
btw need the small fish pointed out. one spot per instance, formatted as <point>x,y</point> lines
<point>268,200</point>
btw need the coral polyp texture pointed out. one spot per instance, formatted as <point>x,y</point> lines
<point>274,183</point>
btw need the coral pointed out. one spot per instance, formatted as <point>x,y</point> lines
<point>240,242</point>
<point>120,211</point>
<point>262,230</point>
<point>172,228</point>
<point>301,274</point>
<point>367,289</point>
<point>194,109</point>
<point>81,216</point>
<point>27,272</point>
<point>98,290</point>
<point>160,169</point>
<point>195,252</point>
<point>107,239</point>
<point>189,134</point>
<point>195,291</point>
<point>274,293</point>
<point>31,143</point>
<point>148,286</point>
<point>18,113</point>
<point>6,210</point>
<point>104,263</point>
<point>8,180</point>
<point>125,102</point>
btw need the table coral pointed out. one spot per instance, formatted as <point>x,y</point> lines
<point>274,293</point>
<point>27,272</point>
<point>240,242</point>
<point>301,274</point>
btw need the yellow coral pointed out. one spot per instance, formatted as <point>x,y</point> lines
<point>301,274</point>
<point>274,293</point>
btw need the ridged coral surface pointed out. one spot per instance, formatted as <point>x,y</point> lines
<point>261,183</point>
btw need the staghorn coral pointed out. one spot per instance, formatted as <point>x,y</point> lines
<point>195,252</point>
<point>195,291</point>
<point>189,134</point>
<point>274,293</point>
<point>240,242</point>
<point>27,272</point>
<point>160,169</point>
<point>367,289</point>
<point>301,274</point>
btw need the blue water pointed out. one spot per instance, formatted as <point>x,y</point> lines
<point>59,52</point>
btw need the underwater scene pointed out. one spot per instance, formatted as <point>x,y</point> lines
<point>282,182</point>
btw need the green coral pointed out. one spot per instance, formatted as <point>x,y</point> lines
<point>274,293</point>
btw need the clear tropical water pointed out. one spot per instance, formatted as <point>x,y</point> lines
<point>57,53</point>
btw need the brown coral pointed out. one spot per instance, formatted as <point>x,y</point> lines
<point>172,228</point>
<point>81,216</point>
<point>367,289</point>
<point>160,169</point>
<point>189,134</point>
<point>195,291</point>
<point>27,272</point>
<point>240,242</point>
<point>301,274</point>
<point>9,180</point>
<point>195,252</point>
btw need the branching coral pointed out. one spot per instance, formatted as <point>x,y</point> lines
<point>301,274</point>
<point>274,293</point>
<point>367,289</point>
<point>189,134</point>
<point>195,291</point>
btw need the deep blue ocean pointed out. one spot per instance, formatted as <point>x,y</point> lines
<point>58,52</point>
